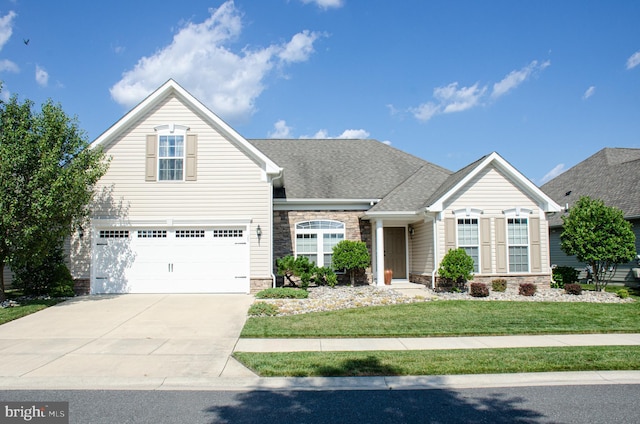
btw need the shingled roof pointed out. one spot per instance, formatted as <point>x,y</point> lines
<point>612,175</point>
<point>346,169</point>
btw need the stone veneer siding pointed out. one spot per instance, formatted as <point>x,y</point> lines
<point>543,281</point>
<point>284,231</point>
<point>259,284</point>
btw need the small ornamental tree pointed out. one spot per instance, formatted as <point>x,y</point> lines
<point>599,236</point>
<point>350,256</point>
<point>456,267</point>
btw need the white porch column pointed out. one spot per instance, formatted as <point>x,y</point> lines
<point>379,253</point>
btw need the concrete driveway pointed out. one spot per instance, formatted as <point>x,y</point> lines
<point>132,339</point>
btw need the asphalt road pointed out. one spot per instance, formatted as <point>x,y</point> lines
<point>553,404</point>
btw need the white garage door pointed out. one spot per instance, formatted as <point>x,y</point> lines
<point>185,260</point>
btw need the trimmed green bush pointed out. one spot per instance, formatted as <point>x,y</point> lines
<point>351,256</point>
<point>563,275</point>
<point>290,266</point>
<point>263,309</point>
<point>456,268</point>
<point>527,289</point>
<point>325,276</point>
<point>499,285</point>
<point>573,288</point>
<point>478,290</point>
<point>622,293</point>
<point>282,293</point>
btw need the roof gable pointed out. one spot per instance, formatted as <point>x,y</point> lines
<point>172,88</point>
<point>460,179</point>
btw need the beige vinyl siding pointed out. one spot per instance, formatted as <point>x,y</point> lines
<point>422,248</point>
<point>8,277</point>
<point>493,192</point>
<point>229,185</point>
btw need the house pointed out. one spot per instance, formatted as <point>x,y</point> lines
<point>611,175</point>
<point>189,205</point>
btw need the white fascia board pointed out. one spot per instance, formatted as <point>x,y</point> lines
<point>323,204</point>
<point>163,91</point>
<point>170,222</point>
<point>548,205</point>
<point>402,215</point>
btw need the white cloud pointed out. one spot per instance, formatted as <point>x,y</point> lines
<point>228,82</point>
<point>325,4</point>
<point>6,27</point>
<point>557,170</point>
<point>590,92</point>
<point>450,98</point>
<point>9,66</point>
<point>300,47</point>
<point>42,76</point>
<point>425,111</point>
<point>282,130</point>
<point>634,60</point>
<point>347,134</point>
<point>453,99</point>
<point>515,78</point>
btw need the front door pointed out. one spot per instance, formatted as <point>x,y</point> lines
<point>395,251</point>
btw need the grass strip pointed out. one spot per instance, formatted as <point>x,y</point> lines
<point>442,362</point>
<point>452,318</point>
<point>26,308</point>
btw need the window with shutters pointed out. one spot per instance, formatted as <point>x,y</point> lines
<point>171,154</point>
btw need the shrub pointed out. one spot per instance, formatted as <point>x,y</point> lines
<point>478,290</point>
<point>290,266</point>
<point>563,275</point>
<point>351,256</point>
<point>282,293</point>
<point>527,289</point>
<point>456,267</point>
<point>573,288</point>
<point>499,285</point>
<point>44,276</point>
<point>622,293</point>
<point>325,277</point>
<point>263,308</point>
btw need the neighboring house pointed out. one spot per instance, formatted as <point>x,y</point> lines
<point>611,175</point>
<point>189,205</point>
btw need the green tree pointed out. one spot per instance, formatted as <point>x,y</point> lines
<point>47,176</point>
<point>456,267</point>
<point>350,256</point>
<point>599,236</point>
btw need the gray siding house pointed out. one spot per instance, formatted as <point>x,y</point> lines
<point>612,175</point>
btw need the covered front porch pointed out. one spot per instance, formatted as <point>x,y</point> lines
<point>403,246</point>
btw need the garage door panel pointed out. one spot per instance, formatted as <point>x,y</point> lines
<point>174,261</point>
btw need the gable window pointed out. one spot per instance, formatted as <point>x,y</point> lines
<point>315,240</point>
<point>518,241</point>
<point>468,239</point>
<point>171,158</point>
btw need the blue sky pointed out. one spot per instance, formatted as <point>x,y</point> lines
<point>544,83</point>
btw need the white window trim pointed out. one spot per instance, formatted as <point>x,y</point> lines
<point>522,213</point>
<point>172,129</point>
<point>470,213</point>
<point>319,238</point>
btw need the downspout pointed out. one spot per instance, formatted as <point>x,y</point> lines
<point>271,235</point>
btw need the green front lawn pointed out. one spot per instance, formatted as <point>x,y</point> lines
<point>442,362</point>
<point>25,308</point>
<point>452,318</point>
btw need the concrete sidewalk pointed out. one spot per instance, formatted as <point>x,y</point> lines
<point>431,343</point>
